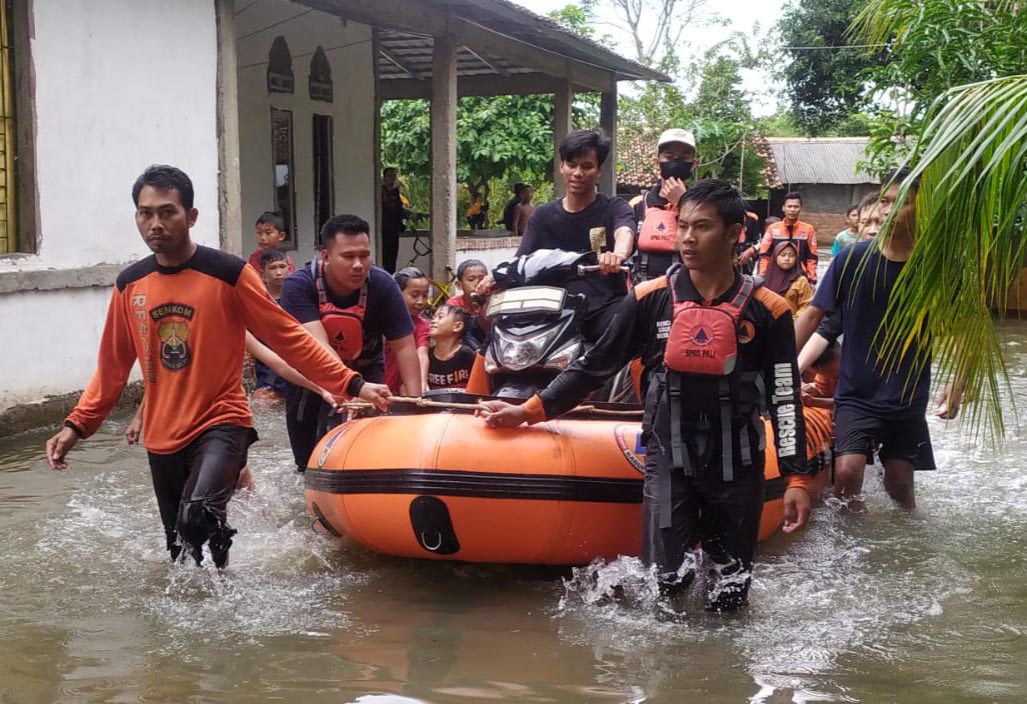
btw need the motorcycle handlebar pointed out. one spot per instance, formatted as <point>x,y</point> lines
<point>585,269</point>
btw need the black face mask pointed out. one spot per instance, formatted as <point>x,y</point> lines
<point>676,168</point>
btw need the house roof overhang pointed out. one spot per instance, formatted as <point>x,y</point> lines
<point>502,48</point>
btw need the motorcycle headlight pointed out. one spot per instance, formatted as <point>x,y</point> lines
<point>516,355</point>
<point>491,365</point>
<point>562,358</point>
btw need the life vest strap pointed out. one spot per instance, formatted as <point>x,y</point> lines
<point>727,462</point>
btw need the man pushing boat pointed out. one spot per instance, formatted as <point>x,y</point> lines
<point>718,339</point>
<point>183,313</point>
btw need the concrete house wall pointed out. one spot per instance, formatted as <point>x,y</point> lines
<point>111,96</point>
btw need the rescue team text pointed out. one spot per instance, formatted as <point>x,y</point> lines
<point>784,391</point>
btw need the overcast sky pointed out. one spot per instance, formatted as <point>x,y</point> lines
<point>741,14</point>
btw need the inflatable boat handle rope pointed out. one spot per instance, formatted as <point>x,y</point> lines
<point>428,403</point>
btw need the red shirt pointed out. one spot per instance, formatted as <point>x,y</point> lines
<point>422,338</point>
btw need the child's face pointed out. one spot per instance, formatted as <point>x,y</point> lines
<point>852,219</point>
<point>786,259</point>
<point>869,222</point>
<point>269,236</point>
<point>416,295</point>
<point>275,273</point>
<point>471,278</point>
<point>444,324</point>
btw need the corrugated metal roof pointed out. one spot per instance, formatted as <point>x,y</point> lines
<point>818,160</point>
<point>406,51</point>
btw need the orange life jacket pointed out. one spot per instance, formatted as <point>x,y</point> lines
<point>704,339</point>
<point>345,326</point>
<point>659,229</point>
<point>704,342</point>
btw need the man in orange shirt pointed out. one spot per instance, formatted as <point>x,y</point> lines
<point>802,234</point>
<point>183,314</point>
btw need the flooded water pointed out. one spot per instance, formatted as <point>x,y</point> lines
<point>887,606</point>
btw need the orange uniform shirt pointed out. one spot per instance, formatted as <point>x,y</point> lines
<point>187,326</point>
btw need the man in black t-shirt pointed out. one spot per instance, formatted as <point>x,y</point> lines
<point>585,220</point>
<point>878,405</point>
<point>350,307</point>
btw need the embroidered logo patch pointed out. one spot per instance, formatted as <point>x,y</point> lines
<point>746,332</point>
<point>172,320</point>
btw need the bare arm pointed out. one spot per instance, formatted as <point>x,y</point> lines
<point>811,351</point>
<point>409,364</point>
<point>623,245</point>
<point>520,220</point>
<point>806,324</point>
<point>280,367</point>
<point>422,358</point>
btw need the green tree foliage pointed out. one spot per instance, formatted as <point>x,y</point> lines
<point>504,139</point>
<point>500,140</point>
<point>718,113</point>
<point>825,86</point>
<point>931,46</point>
<point>967,150</point>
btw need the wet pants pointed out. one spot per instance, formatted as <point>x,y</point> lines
<point>723,516</point>
<point>193,487</point>
<point>307,418</point>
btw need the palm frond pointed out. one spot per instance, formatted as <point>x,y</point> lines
<point>971,163</point>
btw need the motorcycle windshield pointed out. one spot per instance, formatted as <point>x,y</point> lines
<point>527,299</point>
<point>542,267</point>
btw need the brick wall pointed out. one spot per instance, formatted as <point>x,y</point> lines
<point>827,224</point>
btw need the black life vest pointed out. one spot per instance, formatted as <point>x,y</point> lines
<point>703,345</point>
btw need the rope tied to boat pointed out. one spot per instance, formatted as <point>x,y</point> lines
<point>458,406</point>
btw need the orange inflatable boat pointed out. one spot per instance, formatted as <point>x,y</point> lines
<point>441,485</point>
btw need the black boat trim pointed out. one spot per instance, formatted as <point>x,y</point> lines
<point>489,485</point>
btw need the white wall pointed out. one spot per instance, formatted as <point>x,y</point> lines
<point>348,47</point>
<point>119,85</point>
<point>50,341</point>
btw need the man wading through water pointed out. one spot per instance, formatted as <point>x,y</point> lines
<point>183,313</point>
<point>879,404</point>
<point>718,351</point>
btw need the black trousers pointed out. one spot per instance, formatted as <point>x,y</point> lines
<point>723,516</point>
<point>390,250</point>
<point>193,487</point>
<point>307,418</point>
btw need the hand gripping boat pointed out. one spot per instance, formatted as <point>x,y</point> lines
<point>440,485</point>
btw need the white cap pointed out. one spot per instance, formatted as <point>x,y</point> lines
<point>677,135</point>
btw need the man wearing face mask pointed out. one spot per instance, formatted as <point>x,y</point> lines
<point>656,209</point>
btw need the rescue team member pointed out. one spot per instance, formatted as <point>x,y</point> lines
<point>581,221</point>
<point>718,351</point>
<point>349,306</point>
<point>183,313</point>
<point>656,210</point>
<point>793,230</point>
<point>874,406</point>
